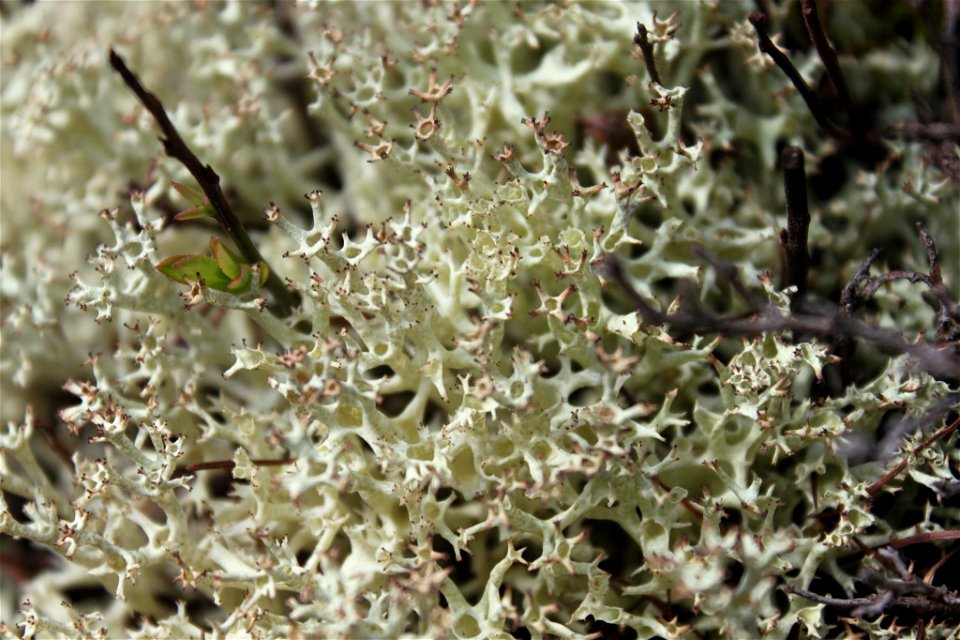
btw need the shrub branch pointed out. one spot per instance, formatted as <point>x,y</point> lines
<point>646,48</point>
<point>759,22</point>
<point>830,323</point>
<point>811,18</point>
<point>209,182</point>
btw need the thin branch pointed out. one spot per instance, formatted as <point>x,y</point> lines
<point>932,571</point>
<point>922,538</point>
<point>759,22</point>
<point>874,605</point>
<point>840,603</point>
<point>646,48</point>
<point>849,300</point>
<point>209,182</point>
<point>798,222</point>
<point>941,364</point>
<point>861,288</point>
<point>811,17</point>
<point>931,248</point>
<point>933,131</point>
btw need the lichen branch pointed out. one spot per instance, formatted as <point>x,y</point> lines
<point>209,182</point>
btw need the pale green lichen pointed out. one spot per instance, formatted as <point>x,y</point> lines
<point>473,432</point>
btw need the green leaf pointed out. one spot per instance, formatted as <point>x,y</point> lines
<point>188,268</point>
<point>192,196</point>
<point>264,273</point>
<point>194,214</point>
<point>229,261</point>
<point>243,280</point>
<point>201,205</point>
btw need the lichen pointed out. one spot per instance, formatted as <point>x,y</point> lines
<point>465,428</point>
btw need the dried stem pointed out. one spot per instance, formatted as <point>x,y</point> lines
<point>872,606</point>
<point>849,299</point>
<point>922,538</point>
<point>209,182</point>
<point>828,323</point>
<point>811,17</point>
<point>646,48</point>
<point>759,22</point>
<point>933,132</point>
<point>794,238</point>
<point>833,324</point>
<point>931,248</point>
<point>861,288</point>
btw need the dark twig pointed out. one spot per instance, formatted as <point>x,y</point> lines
<point>834,324</point>
<point>861,288</point>
<point>209,182</point>
<point>811,17</point>
<point>646,48</point>
<point>849,299</point>
<point>759,22</point>
<point>933,131</point>
<point>931,248</point>
<point>863,606</point>
<point>794,239</point>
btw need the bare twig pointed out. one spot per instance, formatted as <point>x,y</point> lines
<point>876,604</point>
<point>646,48</point>
<point>840,603</point>
<point>794,238</point>
<point>931,248</point>
<point>942,364</point>
<point>932,571</point>
<point>759,22</point>
<point>828,56</point>
<point>849,299</point>
<point>861,288</point>
<point>209,182</point>
<point>933,131</point>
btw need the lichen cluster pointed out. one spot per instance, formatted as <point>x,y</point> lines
<point>464,428</point>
